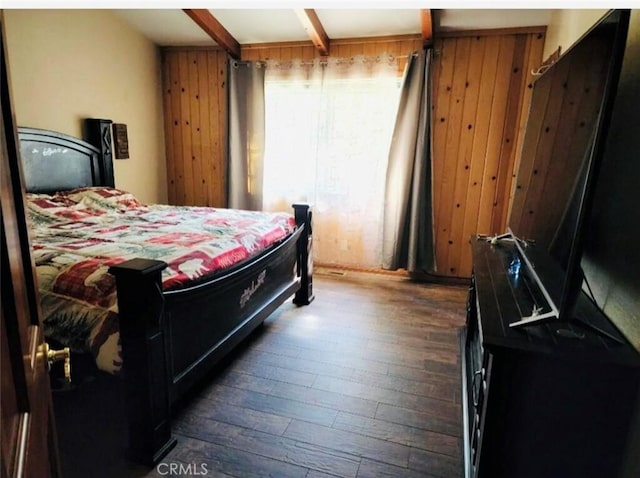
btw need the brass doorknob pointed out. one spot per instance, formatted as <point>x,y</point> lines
<point>58,355</point>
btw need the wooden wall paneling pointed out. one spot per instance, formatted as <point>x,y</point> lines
<point>496,131</point>
<point>369,49</point>
<point>340,51</point>
<point>579,111</point>
<point>442,95</point>
<point>467,128</point>
<point>435,77</point>
<point>350,50</point>
<point>296,52</point>
<point>382,47</point>
<point>473,169</point>
<point>549,130</point>
<point>554,192</point>
<point>526,167</point>
<point>479,152</point>
<point>204,129</point>
<point>410,46</point>
<point>588,93</point>
<point>534,128</point>
<point>176,111</point>
<point>216,192</point>
<point>185,116</point>
<point>490,160</point>
<point>308,53</point>
<point>195,126</point>
<point>356,49</point>
<point>220,160</point>
<point>534,56</point>
<point>446,206</point>
<point>250,54</point>
<point>169,129</point>
<point>196,139</point>
<point>285,55</point>
<point>505,165</point>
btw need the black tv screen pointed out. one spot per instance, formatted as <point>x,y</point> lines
<point>562,149</point>
<point>611,257</point>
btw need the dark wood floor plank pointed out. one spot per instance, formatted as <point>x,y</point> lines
<point>435,464</point>
<point>222,409</point>
<point>346,358</point>
<point>259,357</point>
<point>430,388</point>
<point>392,397</point>
<point>270,372</point>
<point>363,382</point>
<point>319,474</point>
<point>355,328</point>
<point>235,462</point>
<point>232,378</point>
<point>375,469</point>
<point>285,449</point>
<point>271,404</point>
<point>392,352</point>
<point>302,397</point>
<point>429,371</point>
<point>315,338</point>
<point>353,443</point>
<point>426,420</point>
<point>402,434</point>
<point>335,400</point>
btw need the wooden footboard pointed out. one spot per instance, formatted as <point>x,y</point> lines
<point>207,321</point>
<point>172,339</point>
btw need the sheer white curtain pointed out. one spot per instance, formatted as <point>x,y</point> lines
<point>328,131</point>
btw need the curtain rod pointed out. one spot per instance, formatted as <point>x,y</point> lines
<point>324,61</point>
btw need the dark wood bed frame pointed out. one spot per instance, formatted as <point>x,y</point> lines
<point>172,339</point>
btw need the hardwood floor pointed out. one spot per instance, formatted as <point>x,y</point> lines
<point>364,382</point>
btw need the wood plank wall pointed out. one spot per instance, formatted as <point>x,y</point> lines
<point>195,114</point>
<point>564,110</point>
<point>481,92</point>
<point>482,88</point>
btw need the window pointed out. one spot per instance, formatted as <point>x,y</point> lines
<point>328,132</point>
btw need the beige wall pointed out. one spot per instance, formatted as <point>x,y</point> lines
<point>566,26</point>
<point>67,65</point>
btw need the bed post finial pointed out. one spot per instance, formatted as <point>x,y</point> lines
<point>97,132</point>
<point>303,214</point>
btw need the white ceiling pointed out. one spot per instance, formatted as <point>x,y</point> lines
<point>172,27</point>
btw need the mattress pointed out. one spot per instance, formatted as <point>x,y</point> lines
<point>77,235</point>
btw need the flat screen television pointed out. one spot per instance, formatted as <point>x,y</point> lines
<point>562,149</point>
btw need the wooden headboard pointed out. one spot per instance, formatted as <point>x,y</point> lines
<point>53,161</point>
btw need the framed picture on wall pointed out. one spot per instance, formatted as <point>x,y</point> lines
<point>121,141</point>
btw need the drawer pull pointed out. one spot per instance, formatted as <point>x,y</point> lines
<point>475,385</point>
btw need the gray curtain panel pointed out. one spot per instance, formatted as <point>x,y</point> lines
<point>408,217</point>
<point>246,134</point>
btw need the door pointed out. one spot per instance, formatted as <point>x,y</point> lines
<point>27,432</point>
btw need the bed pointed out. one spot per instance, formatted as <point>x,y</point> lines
<point>172,330</point>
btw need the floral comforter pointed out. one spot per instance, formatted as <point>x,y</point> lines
<point>77,235</point>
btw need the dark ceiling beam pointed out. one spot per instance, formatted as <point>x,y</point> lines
<point>426,22</point>
<point>215,30</point>
<point>314,28</point>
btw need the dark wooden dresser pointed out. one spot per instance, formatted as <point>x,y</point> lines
<point>550,400</point>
